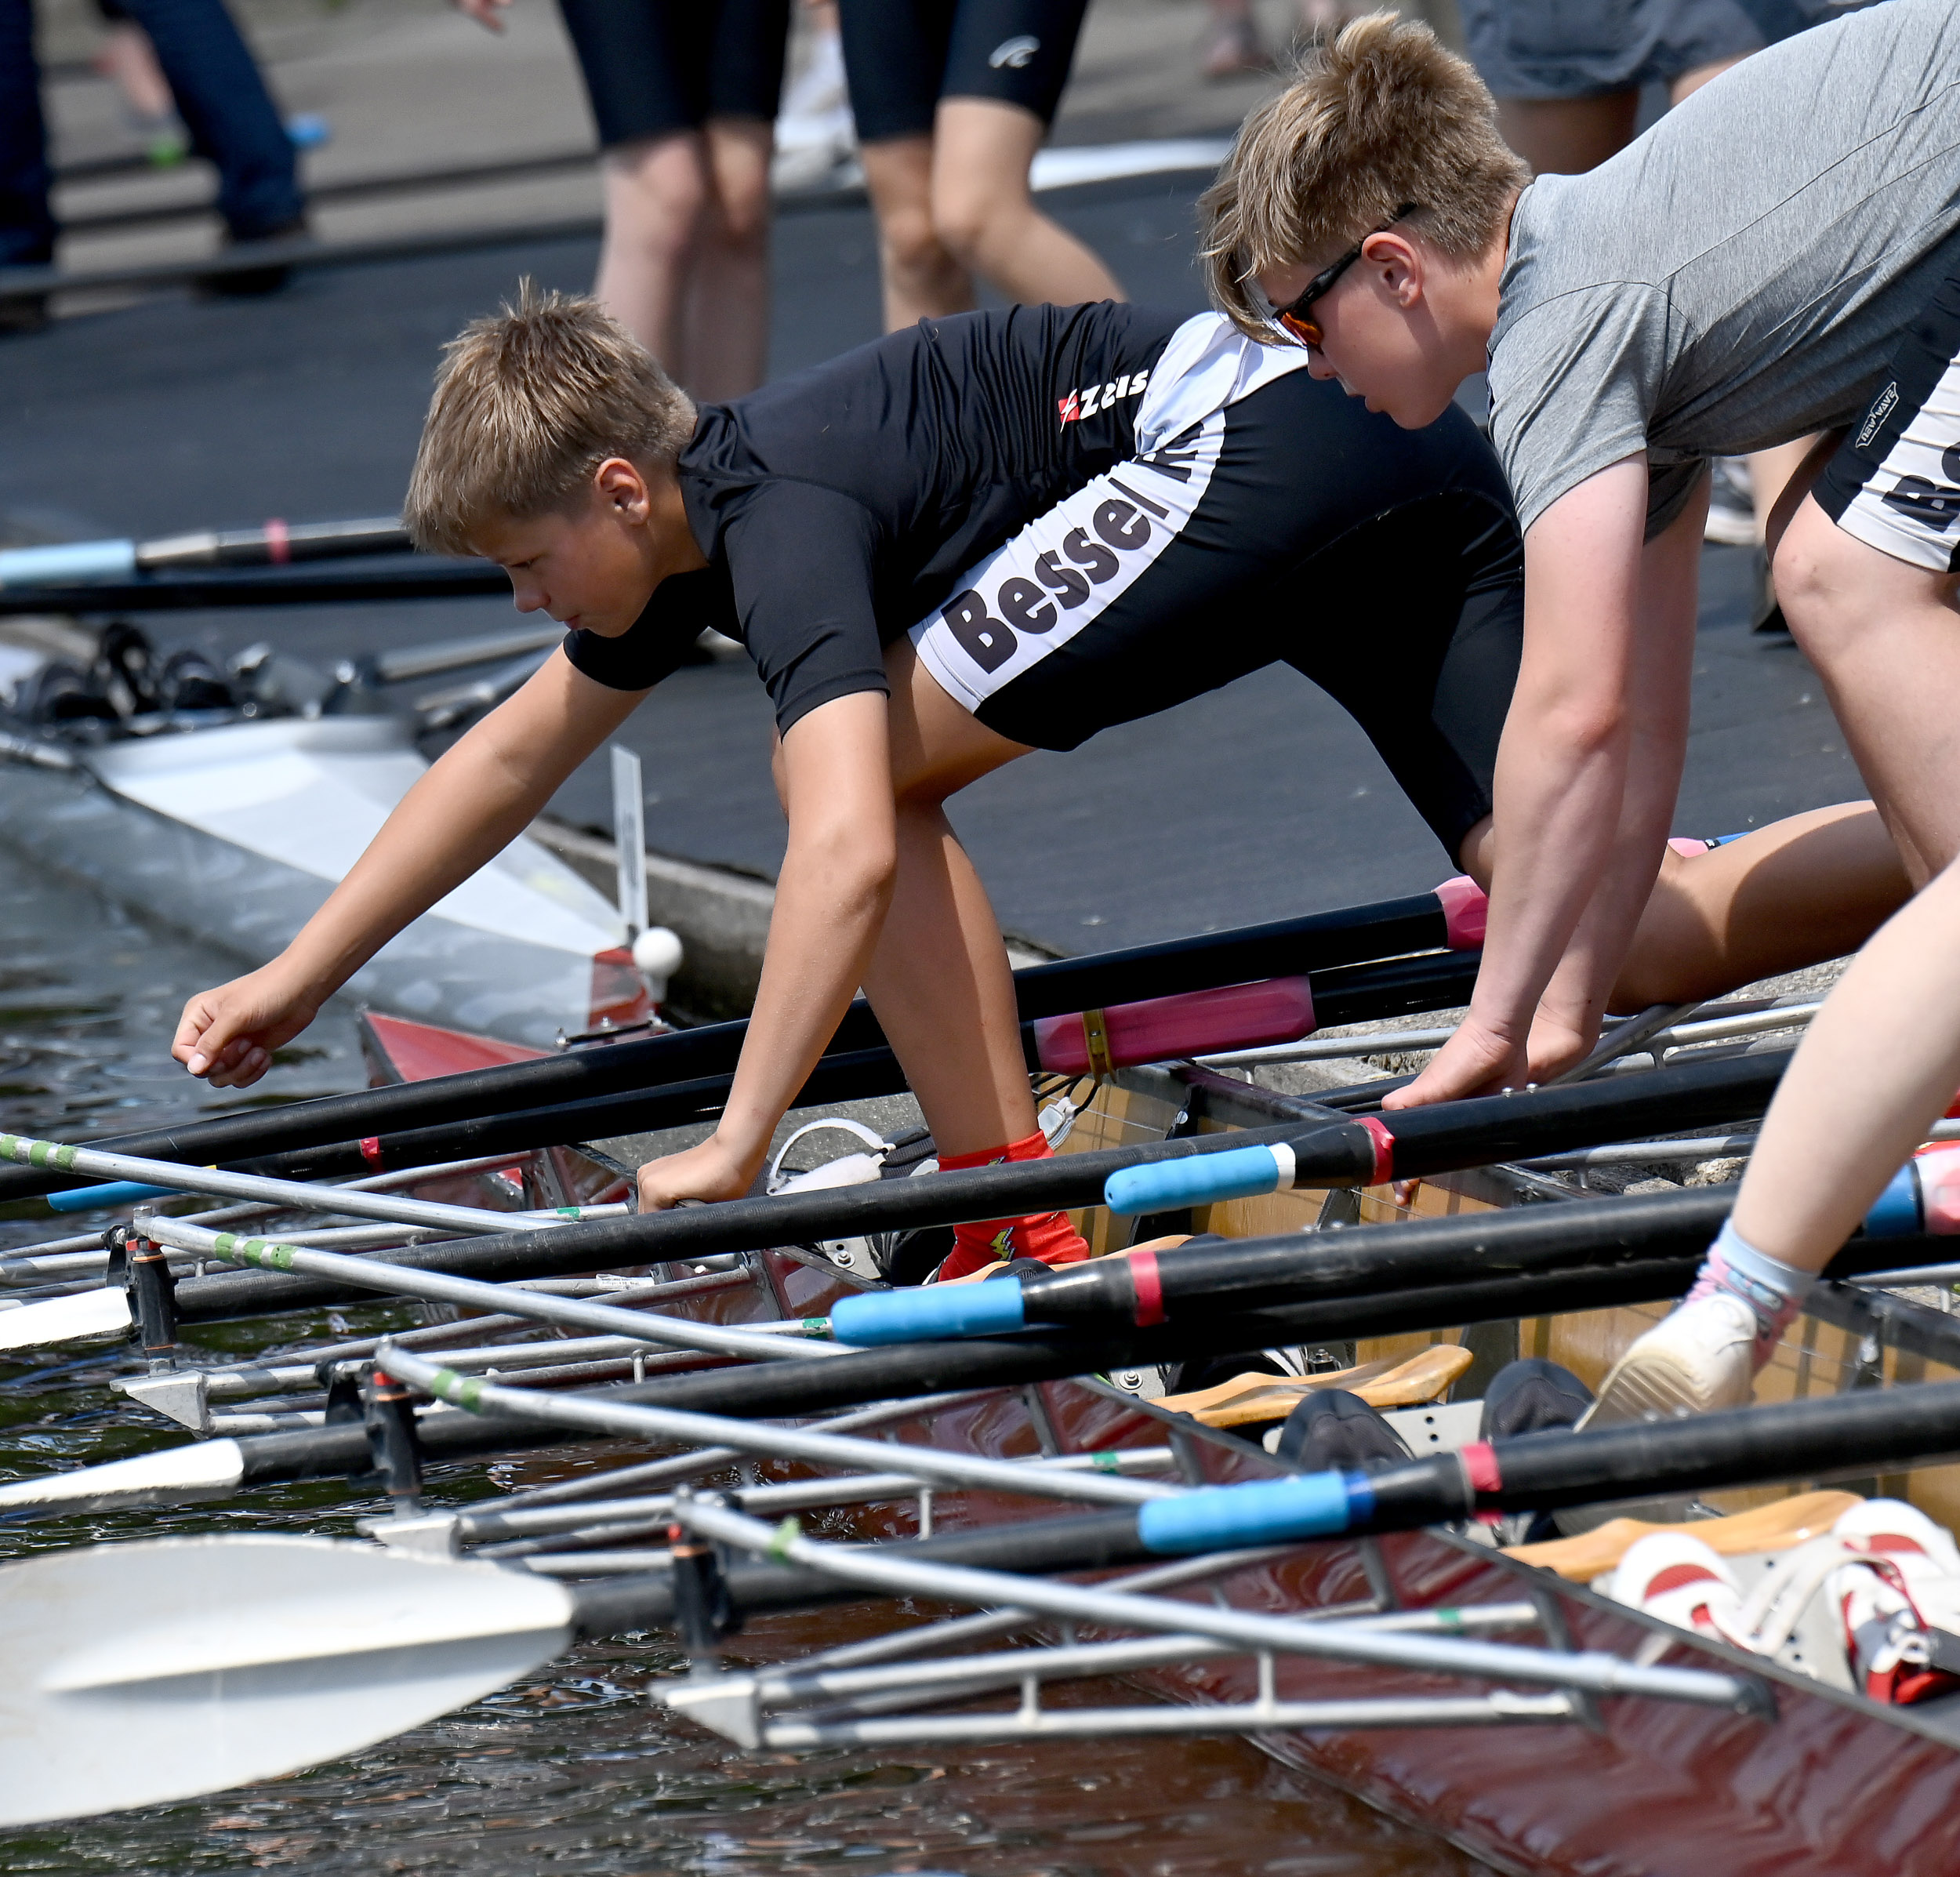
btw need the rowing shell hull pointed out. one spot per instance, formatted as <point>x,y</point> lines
<point>1835,1783</point>
<point>238,834</point>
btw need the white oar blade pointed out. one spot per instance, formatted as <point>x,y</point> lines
<point>175,1475</point>
<point>61,1318</point>
<point>135,1674</point>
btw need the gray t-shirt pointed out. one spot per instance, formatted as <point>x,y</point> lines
<point>1740,276</point>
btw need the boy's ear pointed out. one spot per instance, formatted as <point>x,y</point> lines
<point>1398,264</point>
<point>621,489</point>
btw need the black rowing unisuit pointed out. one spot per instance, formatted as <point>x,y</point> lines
<point>838,508</point>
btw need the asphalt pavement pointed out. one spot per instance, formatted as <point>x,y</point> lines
<point>1258,800</point>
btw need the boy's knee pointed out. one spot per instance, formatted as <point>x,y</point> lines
<point>911,241</point>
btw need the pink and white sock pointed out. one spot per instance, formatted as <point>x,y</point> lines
<point>1774,1291</point>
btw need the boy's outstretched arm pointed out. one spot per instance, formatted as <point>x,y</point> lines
<point>1562,774</point>
<point>473,802</point>
<point>832,897</point>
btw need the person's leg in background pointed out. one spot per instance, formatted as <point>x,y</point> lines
<point>683,94</point>
<point>725,338</point>
<point>984,215</point>
<point>952,105</point>
<point>223,99</point>
<point>894,54</point>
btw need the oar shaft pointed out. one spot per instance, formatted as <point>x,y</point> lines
<point>367,1274</point>
<point>394,1208</point>
<point>590,1414</point>
<point>1322,944</point>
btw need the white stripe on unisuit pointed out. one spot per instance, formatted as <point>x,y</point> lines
<point>1910,504</point>
<point>1064,568</point>
<point>1208,365</point>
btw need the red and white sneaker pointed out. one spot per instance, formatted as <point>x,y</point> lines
<point>1679,1579</point>
<point>1900,1584</point>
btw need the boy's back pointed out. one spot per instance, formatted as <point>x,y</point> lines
<point>1740,276</point>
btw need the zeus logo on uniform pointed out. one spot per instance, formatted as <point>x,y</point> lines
<point>1034,605</point>
<point>1079,405</point>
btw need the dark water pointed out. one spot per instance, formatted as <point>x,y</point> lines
<point>573,1770</point>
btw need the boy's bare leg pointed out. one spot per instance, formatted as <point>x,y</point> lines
<point>1809,888</point>
<point>986,218</point>
<point>921,279</point>
<point>1884,638</point>
<point>939,980</point>
<point>1567,137</point>
<point>726,321</point>
<point>656,192</point>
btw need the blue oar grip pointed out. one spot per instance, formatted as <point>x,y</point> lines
<point>1199,1179</point>
<point>67,560</point>
<point>928,1314</point>
<point>1233,1518</point>
<point>116,1193</point>
<point>1896,1214</point>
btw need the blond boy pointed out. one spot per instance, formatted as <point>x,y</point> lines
<point>1775,257</point>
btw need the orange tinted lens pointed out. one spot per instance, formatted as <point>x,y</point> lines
<point>1303,326</point>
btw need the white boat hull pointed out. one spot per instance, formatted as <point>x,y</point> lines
<point>238,834</point>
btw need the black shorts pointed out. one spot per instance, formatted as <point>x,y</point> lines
<point>903,56</point>
<point>1554,48</point>
<point>1894,482</point>
<point>1289,528</point>
<point>653,67</point>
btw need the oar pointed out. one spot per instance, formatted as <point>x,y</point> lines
<point>129,1172</point>
<point>1658,1256</point>
<point>1320,944</point>
<point>272,545</point>
<point>416,578</point>
<point>1406,1145</point>
<point>147,1673</point>
<point>1177,1285</point>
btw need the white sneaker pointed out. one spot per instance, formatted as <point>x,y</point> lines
<point>1702,1357</point>
<point>1679,1579</point>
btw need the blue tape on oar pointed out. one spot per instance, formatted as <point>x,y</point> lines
<point>1233,1518</point>
<point>67,560</point>
<point>1199,1179</point>
<point>928,1314</point>
<point>116,1192</point>
<point>1897,1212</point>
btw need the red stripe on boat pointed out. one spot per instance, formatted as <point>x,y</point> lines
<point>278,543</point>
<point>371,1148</point>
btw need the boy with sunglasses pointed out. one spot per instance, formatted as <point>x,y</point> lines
<point>990,533</point>
<point>1779,255</point>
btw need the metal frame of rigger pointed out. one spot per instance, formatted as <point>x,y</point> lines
<point>890,1692</point>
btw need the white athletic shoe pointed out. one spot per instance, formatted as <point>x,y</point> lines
<point>1676,1577</point>
<point>1701,1357</point>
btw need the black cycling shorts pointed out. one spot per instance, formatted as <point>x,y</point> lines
<point>1288,527</point>
<point>653,67</point>
<point>903,56</point>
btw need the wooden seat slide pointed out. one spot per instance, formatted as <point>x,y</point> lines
<point>1418,1379</point>
<point>1777,1527</point>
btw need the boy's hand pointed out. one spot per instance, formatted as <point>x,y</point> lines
<point>1475,1061</point>
<point>709,1171</point>
<point>227,1035</point>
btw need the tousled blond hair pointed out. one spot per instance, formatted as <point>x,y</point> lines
<point>1381,116</point>
<point>528,402</point>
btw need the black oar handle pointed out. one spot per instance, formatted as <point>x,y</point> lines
<point>1322,942</point>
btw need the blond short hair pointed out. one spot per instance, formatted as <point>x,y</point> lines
<point>1381,116</point>
<point>528,402</point>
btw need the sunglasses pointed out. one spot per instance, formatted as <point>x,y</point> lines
<point>1294,315</point>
